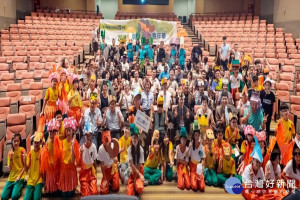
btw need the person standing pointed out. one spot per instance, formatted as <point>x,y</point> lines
<point>95,40</point>
<point>224,53</point>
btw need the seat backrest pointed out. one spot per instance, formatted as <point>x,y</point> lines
<point>4,107</point>
<point>7,76</point>
<point>26,100</point>
<point>16,123</point>
<point>13,87</point>
<point>295,100</point>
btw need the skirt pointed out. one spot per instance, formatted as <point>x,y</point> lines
<point>75,112</point>
<point>50,110</point>
<point>68,179</point>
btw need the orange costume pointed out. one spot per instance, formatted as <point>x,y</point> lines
<point>50,164</point>
<point>51,96</point>
<point>183,180</point>
<point>108,165</point>
<point>75,106</point>
<point>284,134</point>
<point>64,88</point>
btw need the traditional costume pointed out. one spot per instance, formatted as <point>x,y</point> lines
<point>108,166</point>
<point>197,154</point>
<point>166,157</point>
<point>87,174</point>
<point>285,130</point>
<point>123,164</point>
<point>226,168</point>
<point>182,153</point>
<point>211,152</point>
<point>51,96</point>
<point>76,105</point>
<point>135,184</point>
<point>63,90</point>
<point>68,179</point>
<point>246,148</point>
<point>50,159</point>
<point>35,181</point>
<point>13,187</point>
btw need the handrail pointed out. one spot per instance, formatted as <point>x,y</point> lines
<point>220,13</point>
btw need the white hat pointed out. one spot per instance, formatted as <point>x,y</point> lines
<point>268,80</point>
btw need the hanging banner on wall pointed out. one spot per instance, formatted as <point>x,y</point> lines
<point>152,29</point>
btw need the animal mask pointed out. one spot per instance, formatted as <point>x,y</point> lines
<point>210,134</point>
<point>226,149</point>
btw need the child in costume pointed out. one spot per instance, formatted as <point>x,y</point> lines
<point>151,172</point>
<point>292,169</point>
<point>74,99</point>
<point>211,157</point>
<point>63,90</point>
<point>68,179</point>
<point>197,160</point>
<point>88,155</point>
<point>254,174</point>
<point>51,97</point>
<point>108,163</point>
<point>218,143</point>
<point>284,132</point>
<point>167,158</point>
<point>124,142</point>
<point>182,156</point>
<point>15,161</point>
<point>261,138</point>
<point>272,168</point>
<point>33,164</point>
<point>232,134</point>
<point>136,161</point>
<point>61,128</point>
<point>246,148</point>
<point>50,158</point>
<point>226,167</point>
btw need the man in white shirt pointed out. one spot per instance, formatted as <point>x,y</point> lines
<point>125,65</point>
<point>225,52</point>
<point>113,118</point>
<point>237,54</point>
<point>165,94</point>
<point>155,83</point>
<point>108,165</point>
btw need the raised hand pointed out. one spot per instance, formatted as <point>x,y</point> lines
<point>265,118</point>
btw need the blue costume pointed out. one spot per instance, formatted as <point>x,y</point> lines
<point>182,58</point>
<point>130,52</point>
<point>172,56</point>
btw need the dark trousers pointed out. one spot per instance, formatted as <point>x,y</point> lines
<point>224,64</point>
<point>268,124</point>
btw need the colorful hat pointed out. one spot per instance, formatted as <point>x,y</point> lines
<point>164,81</point>
<point>70,122</point>
<point>73,77</point>
<point>138,91</point>
<point>183,132</point>
<point>235,63</point>
<point>232,116</point>
<point>210,134</point>
<point>160,100</point>
<point>63,71</point>
<point>81,76</point>
<point>111,98</point>
<point>52,125</point>
<point>249,130</point>
<point>93,77</point>
<point>134,130</point>
<point>266,71</point>
<point>261,136</point>
<point>255,97</point>
<point>268,80</point>
<point>87,128</point>
<point>106,136</point>
<point>203,120</point>
<point>226,148</point>
<point>54,75</point>
<point>37,137</point>
<point>196,126</point>
<point>256,153</point>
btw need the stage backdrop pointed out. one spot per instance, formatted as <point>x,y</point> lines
<point>136,28</point>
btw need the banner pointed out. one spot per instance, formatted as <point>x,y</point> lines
<point>138,29</point>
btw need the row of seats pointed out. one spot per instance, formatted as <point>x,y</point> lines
<point>159,16</point>
<point>65,14</point>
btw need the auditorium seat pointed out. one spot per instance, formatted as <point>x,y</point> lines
<point>14,93</point>
<point>4,112</point>
<point>36,89</point>
<point>283,93</point>
<point>27,106</point>
<point>27,78</point>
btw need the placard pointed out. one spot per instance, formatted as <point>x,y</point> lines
<point>142,121</point>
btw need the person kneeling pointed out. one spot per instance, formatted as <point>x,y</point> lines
<point>107,155</point>
<point>87,174</point>
<point>136,160</point>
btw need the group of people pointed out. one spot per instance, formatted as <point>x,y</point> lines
<point>207,124</point>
